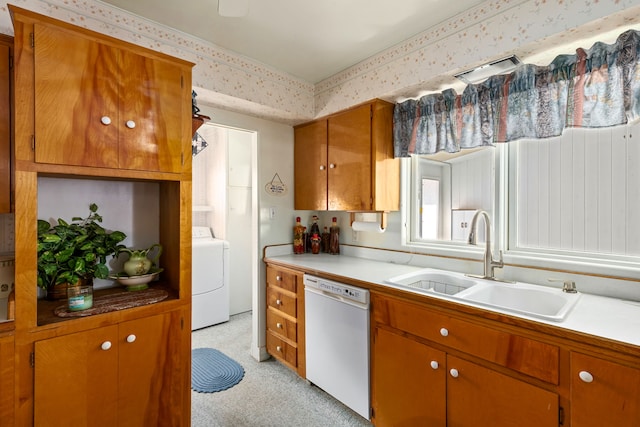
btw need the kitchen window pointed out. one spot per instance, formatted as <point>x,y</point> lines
<point>558,202</point>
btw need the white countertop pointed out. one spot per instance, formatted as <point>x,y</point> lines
<point>600,316</point>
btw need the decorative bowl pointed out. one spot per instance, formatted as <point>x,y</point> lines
<point>136,283</point>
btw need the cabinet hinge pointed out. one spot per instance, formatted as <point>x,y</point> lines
<point>182,82</point>
<point>181,159</point>
<point>32,40</point>
<point>32,359</point>
<point>560,415</point>
<point>11,62</point>
<point>182,323</point>
<point>33,142</point>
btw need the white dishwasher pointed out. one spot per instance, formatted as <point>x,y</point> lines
<point>337,341</point>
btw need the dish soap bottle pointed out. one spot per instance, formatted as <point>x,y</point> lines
<point>298,237</point>
<point>334,237</point>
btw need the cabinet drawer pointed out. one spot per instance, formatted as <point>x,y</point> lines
<point>282,279</point>
<point>281,301</point>
<point>525,355</point>
<point>282,350</point>
<point>281,325</point>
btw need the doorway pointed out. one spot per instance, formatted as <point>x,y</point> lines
<point>225,199</point>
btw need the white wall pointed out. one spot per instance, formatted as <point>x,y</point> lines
<point>124,206</point>
<point>274,155</point>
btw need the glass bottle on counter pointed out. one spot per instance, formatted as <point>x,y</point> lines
<point>334,237</point>
<point>298,237</point>
<point>325,240</point>
<point>315,228</point>
<point>315,243</point>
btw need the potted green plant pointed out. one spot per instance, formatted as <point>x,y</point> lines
<point>72,252</point>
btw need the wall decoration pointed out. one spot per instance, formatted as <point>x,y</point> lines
<point>276,187</point>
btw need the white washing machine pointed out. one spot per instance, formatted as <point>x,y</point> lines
<point>209,279</point>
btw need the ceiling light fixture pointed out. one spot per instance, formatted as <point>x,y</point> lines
<point>483,72</point>
<point>233,8</point>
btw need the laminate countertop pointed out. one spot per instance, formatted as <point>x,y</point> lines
<point>600,316</point>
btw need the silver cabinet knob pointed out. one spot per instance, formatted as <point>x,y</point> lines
<point>278,278</point>
<point>444,332</point>
<point>105,120</point>
<point>279,325</point>
<point>106,345</point>
<point>279,349</point>
<point>454,373</point>
<point>586,376</point>
<point>322,167</point>
<point>131,338</point>
<point>332,166</point>
<point>130,124</point>
<point>278,302</point>
<point>434,364</point>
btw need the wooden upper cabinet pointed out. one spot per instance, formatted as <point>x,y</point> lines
<point>310,166</point>
<point>349,156</point>
<point>98,105</point>
<point>345,162</point>
<point>5,125</point>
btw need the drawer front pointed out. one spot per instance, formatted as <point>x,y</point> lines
<point>281,325</point>
<point>525,355</point>
<point>281,301</point>
<point>282,350</point>
<point>282,279</point>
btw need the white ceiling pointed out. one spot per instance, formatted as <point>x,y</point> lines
<point>309,39</point>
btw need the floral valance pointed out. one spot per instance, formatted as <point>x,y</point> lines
<point>594,88</point>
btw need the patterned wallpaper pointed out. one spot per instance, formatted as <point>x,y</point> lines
<point>423,63</point>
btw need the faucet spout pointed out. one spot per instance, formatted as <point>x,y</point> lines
<point>490,264</point>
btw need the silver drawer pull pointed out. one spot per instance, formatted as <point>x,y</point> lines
<point>279,349</point>
<point>279,325</point>
<point>278,302</point>
<point>278,278</point>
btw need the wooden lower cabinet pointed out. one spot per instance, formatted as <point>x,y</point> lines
<point>478,396</point>
<point>603,393</point>
<point>409,382</point>
<point>128,374</point>
<point>415,384</point>
<point>285,317</point>
<point>7,381</point>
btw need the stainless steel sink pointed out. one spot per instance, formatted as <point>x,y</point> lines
<point>523,298</point>
<point>531,300</point>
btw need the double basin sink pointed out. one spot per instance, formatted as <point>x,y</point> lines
<point>520,298</point>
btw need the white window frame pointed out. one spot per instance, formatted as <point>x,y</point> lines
<point>503,227</point>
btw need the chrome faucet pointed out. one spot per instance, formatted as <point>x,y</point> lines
<point>489,263</point>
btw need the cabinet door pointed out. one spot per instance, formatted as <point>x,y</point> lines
<point>5,129</point>
<point>408,382</point>
<point>150,105</point>
<point>76,86</point>
<point>477,396</point>
<point>7,381</point>
<point>76,379</point>
<point>310,166</point>
<point>349,156</point>
<point>603,393</point>
<point>152,371</point>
